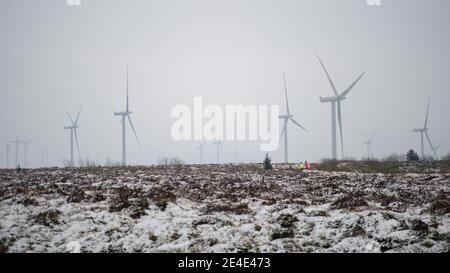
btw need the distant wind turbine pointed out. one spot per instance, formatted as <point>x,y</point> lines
<point>16,143</point>
<point>368,143</point>
<point>286,118</point>
<point>73,133</point>
<point>124,116</point>
<point>201,149</point>
<point>26,141</point>
<point>47,161</point>
<point>219,149</point>
<point>43,158</point>
<point>336,99</point>
<point>436,148</point>
<point>8,147</point>
<point>424,131</point>
<point>236,154</point>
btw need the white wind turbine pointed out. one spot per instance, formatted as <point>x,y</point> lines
<point>124,116</point>
<point>8,147</point>
<point>16,143</point>
<point>26,141</point>
<point>286,118</point>
<point>73,133</point>
<point>336,99</point>
<point>219,149</point>
<point>424,132</point>
<point>201,149</point>
<point>43,159</point>
<point>368,143</point>
<point>236,154</point>
<point>436,149</point>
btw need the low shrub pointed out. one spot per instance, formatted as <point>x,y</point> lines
<point>48,217</point>
<point>350,201</point>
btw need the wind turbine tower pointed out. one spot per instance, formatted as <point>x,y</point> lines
<point>335,102</point>
<point>124,116</point>
<point>286,118</point>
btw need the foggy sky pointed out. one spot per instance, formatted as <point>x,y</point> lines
<point>55,57</point>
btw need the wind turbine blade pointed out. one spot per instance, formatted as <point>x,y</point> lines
<point>328,76</point>
<point>71,120</point>
<point>340,126</point>
<point>134,131</point>
<point>285,93</point>
<point>428,111</point>
<point>431,144</point>
<point>76,141</point>
<point>283,132</point>
<point>345,93</point>
<point>78,116</point>
<point>298,124</point>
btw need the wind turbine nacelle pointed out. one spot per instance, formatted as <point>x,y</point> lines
<point>331,99</point>
<point>285,116</point>
<point>125,113</point>
<point>420,130</point>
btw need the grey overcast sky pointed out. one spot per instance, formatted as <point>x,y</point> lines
<point>55,57</point>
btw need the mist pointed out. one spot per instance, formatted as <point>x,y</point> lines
<point>57,58</point>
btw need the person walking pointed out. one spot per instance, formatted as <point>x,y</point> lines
<point>306,169</point>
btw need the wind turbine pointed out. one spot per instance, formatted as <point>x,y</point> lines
<point>25,152</point>
<point>368,142</point>
<point>201,149</point>
<point>236,154</point>
<point>436,148</point>
<point>124,116</point>
<point>16,150</point>
<point>43,159</point>
<point>424,131</point>
<point>8,147</point>
<point>219,149</point>
<point>336,100</point>
<point>73,132</point>
<point>286,118</point>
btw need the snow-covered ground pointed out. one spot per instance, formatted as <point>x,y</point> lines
<point>222,209</point>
